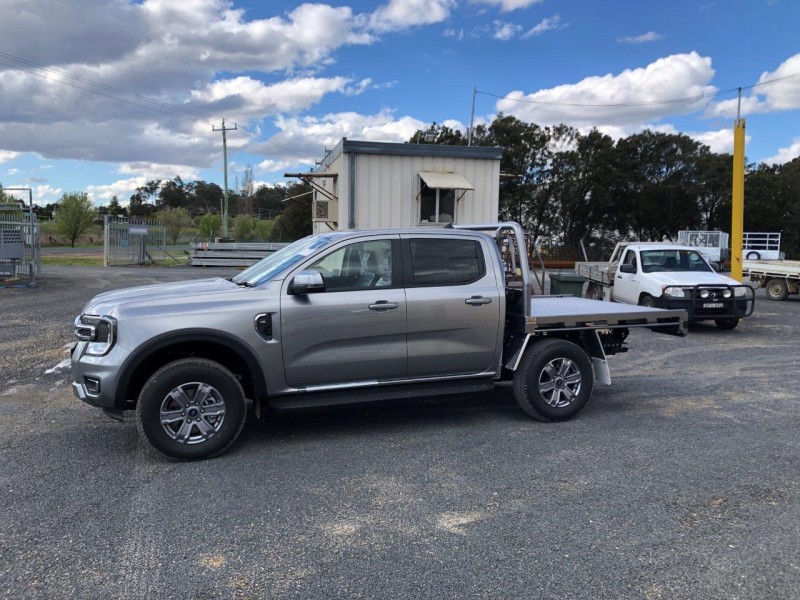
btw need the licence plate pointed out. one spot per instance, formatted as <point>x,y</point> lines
<point>713,305</point>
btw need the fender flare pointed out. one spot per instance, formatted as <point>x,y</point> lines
<point>143,352</point>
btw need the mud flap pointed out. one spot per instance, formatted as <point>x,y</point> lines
<point>594,348</point>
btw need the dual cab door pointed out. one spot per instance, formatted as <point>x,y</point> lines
<point>395,308</point>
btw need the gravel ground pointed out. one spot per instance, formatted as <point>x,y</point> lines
<point>678,481</point>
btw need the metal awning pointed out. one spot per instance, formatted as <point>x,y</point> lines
<point>439,181</point>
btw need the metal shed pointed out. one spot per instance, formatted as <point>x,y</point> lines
<point>369,185</point>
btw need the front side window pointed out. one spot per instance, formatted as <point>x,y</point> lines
<point>436,205</point>
<point>357,266</point>
<point>436,262</point>
<point>630,258</point>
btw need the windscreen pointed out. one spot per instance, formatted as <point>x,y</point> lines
<point>281,260</point>
<point>665,260</point>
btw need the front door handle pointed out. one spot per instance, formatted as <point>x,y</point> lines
<point>383,305</point>
<point>478,300</point>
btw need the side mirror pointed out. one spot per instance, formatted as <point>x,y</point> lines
<point>307,282</point>
<point>627,268</point>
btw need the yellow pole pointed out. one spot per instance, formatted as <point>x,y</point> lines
<point>737,204</point>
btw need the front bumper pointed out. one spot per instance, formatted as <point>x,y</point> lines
<point>94,378</point>
<point>715,306</point>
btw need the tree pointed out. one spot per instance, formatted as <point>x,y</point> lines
<point>440,134</point>
<point>246,191</point>
<point>243,228</point>
<point>175,220</point>
<point>173,194</point>
<point>141,204</point>
<point>115,209</point>
<point>295,222</point>
<point>207,197</point>
<point>6,198</point>
<point>657,184</point>
<point>74,215</point>
<point>210,225</point>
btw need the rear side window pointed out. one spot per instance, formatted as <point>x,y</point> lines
<point>445,262</point>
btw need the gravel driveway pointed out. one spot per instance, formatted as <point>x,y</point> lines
<point>678,481</point>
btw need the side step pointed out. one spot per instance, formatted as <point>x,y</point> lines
<point>378,394</point>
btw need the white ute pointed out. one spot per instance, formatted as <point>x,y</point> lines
<point>667,275</point>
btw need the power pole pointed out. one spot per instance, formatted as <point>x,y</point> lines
<point>224,207</point>
<point>472,116</point>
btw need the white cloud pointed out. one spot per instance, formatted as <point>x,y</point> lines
<point>142,172</point>
<point>173,55</point>
<point>6,155</point>
<point>508,5</point>
<point>46,194</point>
<point>785,155</point>
<point>776,91</point>
<point>547,24</point>
<point>642,92</point>
<point>302,140</point>
<point>650,36</point>
<point>245,98</point>
<point>505,31</point>
<point>12,171</point>
<point>402,14</point>
<point>720,141</point>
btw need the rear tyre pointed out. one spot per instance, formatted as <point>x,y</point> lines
<point>594,291</point>
<point>190,409</point>
<point>554,381</point>
<point>727,323</point>
<point>777,289</point>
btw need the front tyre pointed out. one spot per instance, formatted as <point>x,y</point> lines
<point>647,300</point>
<point>554,381</point>
<point>727,323</point>
<point>190,409</point>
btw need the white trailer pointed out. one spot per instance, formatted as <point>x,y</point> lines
<point>779,277</point>
<point>713,245</point>
<point>761,246</point>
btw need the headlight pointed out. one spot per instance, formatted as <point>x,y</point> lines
<point>704,293</point>
<point>674,292</point>
<point>741,291</point>
<point>726,293</point>
<point>99,332</point>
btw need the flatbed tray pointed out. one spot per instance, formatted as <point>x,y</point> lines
<point>569,312</point>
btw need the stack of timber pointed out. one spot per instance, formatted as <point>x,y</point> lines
<point>219,254</point>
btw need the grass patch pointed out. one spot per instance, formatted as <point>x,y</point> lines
<point>72,261</point>
<point>66,260</point>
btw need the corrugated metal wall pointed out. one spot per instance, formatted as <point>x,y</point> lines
<point>387,189</point>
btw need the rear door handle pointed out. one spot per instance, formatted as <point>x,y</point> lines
<point>383,305</point>
<point>478,300</point>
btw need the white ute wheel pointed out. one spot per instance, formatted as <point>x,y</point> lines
<point>554,381</point>
<point>191,408</point>
<point>777,289</point>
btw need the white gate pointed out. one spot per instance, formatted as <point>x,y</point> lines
<point>20,250</point>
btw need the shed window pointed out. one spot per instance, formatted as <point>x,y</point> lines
<point>436,205</point>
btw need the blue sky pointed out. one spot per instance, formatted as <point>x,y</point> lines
<point>101,96</point>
